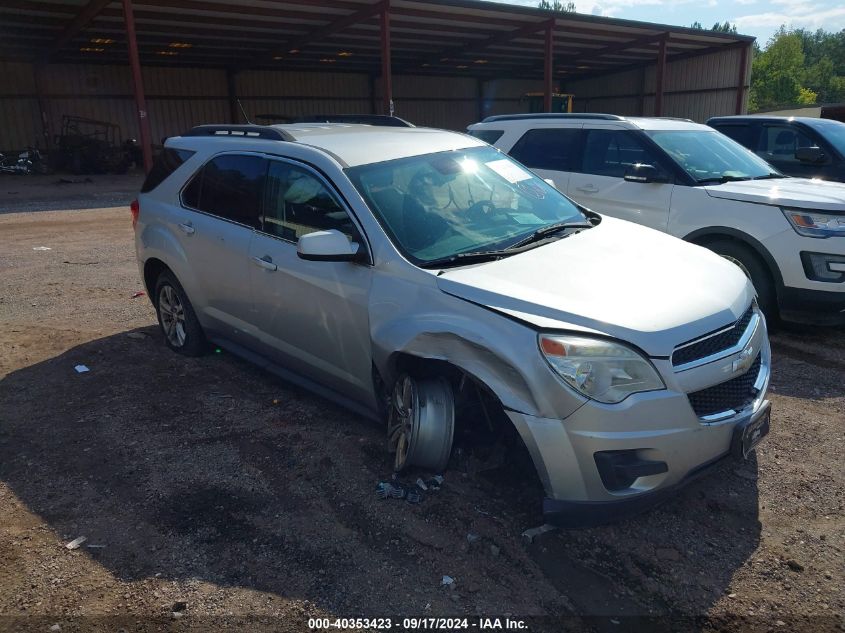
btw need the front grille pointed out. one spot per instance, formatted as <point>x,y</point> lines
<point>735,393</point>
<point>714,344</point>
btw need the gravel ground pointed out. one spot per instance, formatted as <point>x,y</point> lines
<point>215,496</point>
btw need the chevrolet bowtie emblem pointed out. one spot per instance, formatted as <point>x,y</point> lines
<point>744,360</point>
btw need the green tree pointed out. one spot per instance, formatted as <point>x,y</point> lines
<point>798,67</point>
<point>777,72</point>
<point>555,5</point>
<point>727,27</point>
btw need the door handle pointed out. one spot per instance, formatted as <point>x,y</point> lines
<point>588,188</point>
<point>265,263</point>
<point>187,229</point>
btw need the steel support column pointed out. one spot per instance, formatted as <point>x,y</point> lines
<point>660,74</point>
<point>138,86</point>
<point>386,69</point>
<point>38,72</point>
<point>743,76</point>
<point>548,69</point>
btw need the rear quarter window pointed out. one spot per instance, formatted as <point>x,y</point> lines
<point>488,136</point>
<point>168,161</point>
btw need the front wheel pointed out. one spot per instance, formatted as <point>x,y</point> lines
<point>182,330</point>
<point>754,268</point>
<point>421,423</point>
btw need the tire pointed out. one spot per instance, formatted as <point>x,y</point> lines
<point>179,324</point>
<point>754,268</point>
<point>421,423</point>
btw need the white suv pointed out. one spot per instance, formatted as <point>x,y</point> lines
<point>787,234</point>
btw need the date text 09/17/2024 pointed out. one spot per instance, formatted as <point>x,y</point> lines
<point>419,624</point>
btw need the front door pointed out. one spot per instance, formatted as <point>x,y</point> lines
<point>312,316</point>
<point>601,186</point>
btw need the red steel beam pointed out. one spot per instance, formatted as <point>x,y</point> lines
<point>138,86</point>
<point>548,69</point>
<point>386,69</point>
<point>82,19</point>
<point>658,79</point>
<point>743,72</point>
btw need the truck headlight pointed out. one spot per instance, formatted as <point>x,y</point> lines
<point>816,223</point>
<point>602,370</point>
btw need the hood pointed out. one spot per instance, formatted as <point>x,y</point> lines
<point>802,193</point>
<point>619,279</point>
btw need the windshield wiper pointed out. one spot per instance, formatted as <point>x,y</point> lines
<point>546,231</point>
<point>459,259</point>
<point>767,176</point>
<point>722,179</point>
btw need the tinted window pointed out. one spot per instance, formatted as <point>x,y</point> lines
<point>779,143</point>
<point>230,187</point>
<point>555,149</point>
<point>742,134</point>
<point>168,161</point>
<point>298,203</point>
<point>488,136</point>
<point>611,152</point>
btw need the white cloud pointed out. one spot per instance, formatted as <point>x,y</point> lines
<point>795,16</point>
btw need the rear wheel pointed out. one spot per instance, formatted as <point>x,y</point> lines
<point>182,330</point>
<point>754,268</point>
<point>421,422</point>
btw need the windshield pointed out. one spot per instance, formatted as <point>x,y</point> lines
<point>441,205</point>
<point>834,133</point>
<point>711,156</point>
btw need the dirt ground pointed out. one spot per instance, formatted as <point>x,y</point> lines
<point>214,496</point>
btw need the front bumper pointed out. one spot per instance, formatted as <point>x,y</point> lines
<point>653,442</point>
<point>816,307</point>
<point>575,514</point>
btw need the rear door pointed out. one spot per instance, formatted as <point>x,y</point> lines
<point>551,152</point>
<point>312,315</point>
<point>600,184</point>
<point>221,208</point>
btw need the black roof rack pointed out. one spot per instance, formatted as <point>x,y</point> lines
<point>551,115</point>
<point>241,131</point>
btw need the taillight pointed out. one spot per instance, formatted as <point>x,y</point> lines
<point>135,209</point>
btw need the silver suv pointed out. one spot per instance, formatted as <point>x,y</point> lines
<point>424,279</point>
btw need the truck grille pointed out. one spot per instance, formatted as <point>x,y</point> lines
<point>713,344</point>
<point>735,393</point>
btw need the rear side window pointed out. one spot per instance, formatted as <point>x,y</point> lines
<point>742,134</point>
<point>230,187</point>
<point>555,149</point>
<point>488,136</point>
<point>168,161</point>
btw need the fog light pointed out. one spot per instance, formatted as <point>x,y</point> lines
<point>823,266</point>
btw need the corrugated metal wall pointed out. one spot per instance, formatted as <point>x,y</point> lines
<point>179,98</point>
<point>693,88</point>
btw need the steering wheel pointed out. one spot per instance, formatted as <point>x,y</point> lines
<point>480,211</point>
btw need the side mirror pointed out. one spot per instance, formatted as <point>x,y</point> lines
<point>642,172</point>
<point>328,246</point>
<point>812,155</point>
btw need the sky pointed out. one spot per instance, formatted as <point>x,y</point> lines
<point>760,18</point>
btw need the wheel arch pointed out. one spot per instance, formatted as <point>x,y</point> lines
<point>704,236</point>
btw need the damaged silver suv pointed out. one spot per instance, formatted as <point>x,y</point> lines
<point>423,278</point>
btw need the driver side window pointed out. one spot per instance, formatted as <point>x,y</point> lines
<point>297,203</point>
<point>611,152</point>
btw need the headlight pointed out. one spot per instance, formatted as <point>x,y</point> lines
<point>599,369</point>
<point>816,223</point>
